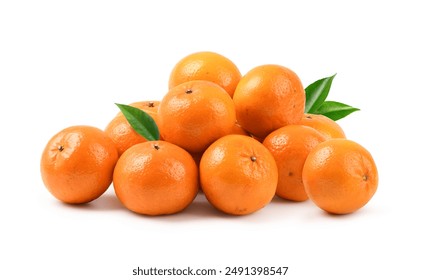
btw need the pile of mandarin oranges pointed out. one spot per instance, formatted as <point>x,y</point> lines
<point>239,139</point>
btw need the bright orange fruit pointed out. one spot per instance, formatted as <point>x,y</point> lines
<point>77,164</point>
<point>122,133</point>
<point>238,175</point>
<point>340,176</point>
<point>207,66</point>
<point>237,129</point>
<point>267,98</point>
<point>290,146</point>
<point>150,107</point>
<point>328,127</point>
<point>156,178</point>
<point>194,114</point>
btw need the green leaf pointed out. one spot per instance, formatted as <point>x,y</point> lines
<point>335,110</point>
<point>316,93</point>
<point>141,122</point>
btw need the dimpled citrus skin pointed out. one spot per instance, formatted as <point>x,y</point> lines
<point>290,146</point>
<point>122,133</point>
<point>77,164</point>
<point>156,178</point>
<point>267,98</point>
<point>340,176</point>
<point>238,175</point>
<point>328,127</point>
<point>150,107</point>
<point>194,114</point>
<point>207,66</point>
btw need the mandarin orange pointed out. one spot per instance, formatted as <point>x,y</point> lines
<point>122,133</point>
<point>328,127</point>
<point>156,178</point>
<point>207,66</point>
<point>340,176</point>
<point>77,164</point>
<point>238,175</point>
<point>290,146</point>
<point>194,114</point>
<point>267,98</point>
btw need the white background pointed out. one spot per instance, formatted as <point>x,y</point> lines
<point>66,63</point>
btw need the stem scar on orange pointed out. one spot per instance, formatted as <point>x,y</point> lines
<point>156,178</point>
<point>194,114</point>
<point>77,164</point>
<point>238,175</point>
<point>121,131</point>
<point>290,146</point>
<point>340,176</point>
<point>328,127</point>
<point>208,66</point>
